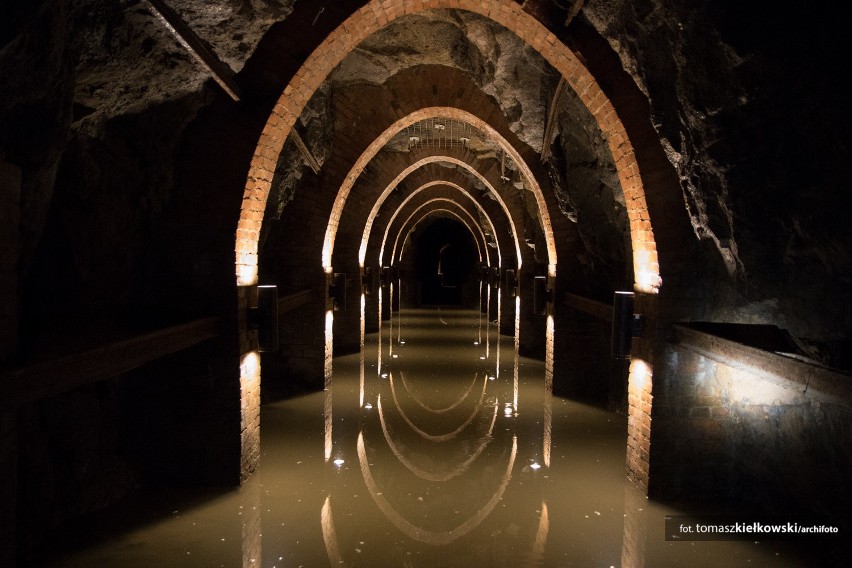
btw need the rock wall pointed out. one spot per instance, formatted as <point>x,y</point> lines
<point>745,103</point>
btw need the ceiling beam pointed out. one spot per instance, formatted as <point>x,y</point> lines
<point>575,8</point>
<point>551,118</point>
<point>220,71</point>
<point>306,153</point>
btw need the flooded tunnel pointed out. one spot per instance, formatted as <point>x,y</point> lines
<point>437,444</point>
<point>446,283</point>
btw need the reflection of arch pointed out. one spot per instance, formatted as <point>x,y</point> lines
<point>329,534</point>
<point>328,245</point>
<point>428,475</point>
<point>423,218</point>
<point>366,237</point>
<point>420,534</point>
<point>426,435</point>
<point>428,408</point>
<point>468,220</point>
<point>541,533</point>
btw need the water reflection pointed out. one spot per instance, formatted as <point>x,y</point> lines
<point>445,455</point>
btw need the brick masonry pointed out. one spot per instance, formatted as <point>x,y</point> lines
<point>376,15</point>
<point>379,13</point>
<point>731,435</point>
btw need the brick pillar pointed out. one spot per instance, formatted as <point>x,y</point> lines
<point>347,319</point>
<point>386,306</point>
<point>639,394</point>
<point>492,303</point>
<point>249,386</point>
<point>532,324</point>
<point>507,308</point>
<point>10,245</point>
<point>371,303</point>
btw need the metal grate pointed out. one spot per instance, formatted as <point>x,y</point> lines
<point>440,133</point>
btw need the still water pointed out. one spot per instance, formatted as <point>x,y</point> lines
<point>435,446</point>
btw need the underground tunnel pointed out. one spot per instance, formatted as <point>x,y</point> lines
<point>423,283</point>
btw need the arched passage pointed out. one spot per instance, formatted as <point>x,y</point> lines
<point>463,216</point>
<point>413,194</point>
<point>417,116</point>
<point>441,265</point>
<point>450,160</point>
<point>318,66</point>
<point>376,15</point>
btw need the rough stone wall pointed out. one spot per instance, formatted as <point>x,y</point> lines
<point>72,459</point>
<point>497,60</point>
<point>128,60</point>
<point>727,435</point>
<point>10,246</point>
<point>746,105</point>
<point>584,179</point>
<point>37,60</point>
<point>125,226</point>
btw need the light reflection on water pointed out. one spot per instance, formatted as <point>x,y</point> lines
<point>418,463</point>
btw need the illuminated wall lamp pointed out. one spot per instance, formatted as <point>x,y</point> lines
<point>625,324</point>
<point>264,318</point>
<point>541,295</point>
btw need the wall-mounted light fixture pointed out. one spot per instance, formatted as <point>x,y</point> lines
<point>369,280</point>
<point>484,273</point>
<point>264,318</point>
<point>541,295</point>
<point>625,324</point>
<point>337,291</point>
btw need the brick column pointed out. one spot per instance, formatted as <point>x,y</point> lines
<point>639,394</point>
<point>371,303</point>
<point>10,245</point>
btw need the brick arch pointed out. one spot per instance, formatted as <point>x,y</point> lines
<point>367,20</point>
<point>422,188</point>
<point>433,159</point>
<point>466,218</point>
<point>393,130</point>
<point>390,165</point>
<point>379,13</point>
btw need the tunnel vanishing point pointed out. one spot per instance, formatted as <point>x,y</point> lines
<point>162,161</point>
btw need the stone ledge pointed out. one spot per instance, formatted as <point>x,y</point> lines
<point>823,383</point>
